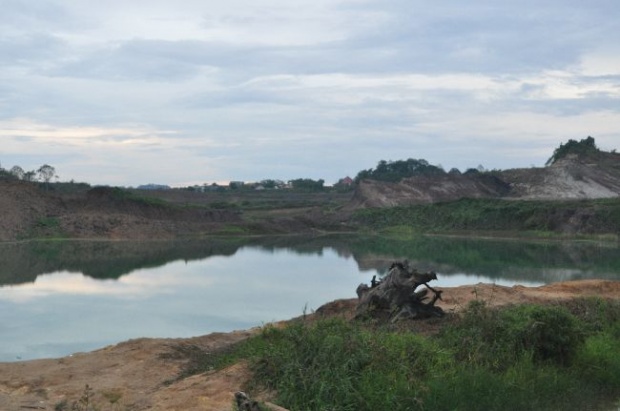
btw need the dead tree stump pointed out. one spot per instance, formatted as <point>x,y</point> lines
<point>396,295</point>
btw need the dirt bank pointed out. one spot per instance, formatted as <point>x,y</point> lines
<point>137,375</point>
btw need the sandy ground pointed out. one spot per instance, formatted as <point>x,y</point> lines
<point>137,375</point>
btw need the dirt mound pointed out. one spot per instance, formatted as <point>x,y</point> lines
<point>568,178</point>
<point>29,210</point>
<point>140,374</point>
<point>595,176</point>
<point>428,189</point>
<point>24,207</point>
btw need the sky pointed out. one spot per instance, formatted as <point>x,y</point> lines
<point>198,91</point>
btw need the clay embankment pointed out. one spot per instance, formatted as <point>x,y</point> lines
<point>31,211</point>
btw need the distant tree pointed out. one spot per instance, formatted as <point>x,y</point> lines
<point>579,148</point>
<point>271,184</point>
<point>397,170</point>
<point>30,175</point>
<point>5,174</point>
<point>46,173</point>
<point>363,175</point>
<point>470,171</point>
<point>454,171</point>
<point>236,185</point>
<point>307,184</point>
<point>18,172</point>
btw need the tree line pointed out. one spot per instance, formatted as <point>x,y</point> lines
<point>44,174</point>
<point>579,148</point>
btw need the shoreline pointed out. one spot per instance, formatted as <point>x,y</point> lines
<point>139,375</point>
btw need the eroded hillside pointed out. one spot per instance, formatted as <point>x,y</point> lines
<point>573,177</point>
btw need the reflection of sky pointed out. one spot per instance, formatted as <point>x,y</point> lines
<point>454,280</point>
<point>63,312</point>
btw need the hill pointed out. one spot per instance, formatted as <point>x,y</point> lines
<point>576,171</point>
<point>591,175</point>
<point>30,210</point>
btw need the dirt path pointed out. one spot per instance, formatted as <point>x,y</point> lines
<point>133,375</point>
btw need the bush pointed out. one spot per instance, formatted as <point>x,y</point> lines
<point>547,333</point>
<point>498,339</point>
<point>336,365</point>
<point>522,357</point>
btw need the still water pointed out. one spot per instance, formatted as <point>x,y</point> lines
<point>58,298</point>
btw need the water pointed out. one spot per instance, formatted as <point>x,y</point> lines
<point>58,298</point>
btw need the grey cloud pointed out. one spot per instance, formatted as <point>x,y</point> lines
<point>436,37</point>
<point>41,15</point>
<point>247,110</point>
<point>234,97</point>
<point>135,60</point>
<point>22,50</point>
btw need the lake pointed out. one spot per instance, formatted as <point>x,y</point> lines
<point>62,297</point>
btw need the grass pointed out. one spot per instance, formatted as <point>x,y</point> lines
<point>523,357</point>
<point>540,217</point>
<point>46,227</point>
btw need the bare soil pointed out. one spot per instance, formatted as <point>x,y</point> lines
<point>141,375</point>
<point>570,178</point>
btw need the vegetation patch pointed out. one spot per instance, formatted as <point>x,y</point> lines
<point>587,216</point>
<point>522,357</point>
<point>46,227</point>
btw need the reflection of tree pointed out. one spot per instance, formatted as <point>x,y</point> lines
<point>514,260</point>
<point>101,259</point>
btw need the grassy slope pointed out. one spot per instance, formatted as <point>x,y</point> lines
<point>560,217</point>
<point>524,357</point>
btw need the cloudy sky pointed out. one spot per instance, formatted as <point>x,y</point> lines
<point>193,91</point>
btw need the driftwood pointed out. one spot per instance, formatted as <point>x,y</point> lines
<point>244,403</point>
<point>396,295</point>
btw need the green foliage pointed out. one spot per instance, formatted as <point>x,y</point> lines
<point>337,365</point>
<point>600,358</point>
<point>500,339</point>
<point>524,357</point>
<point>524,386</point>
<point>580,148</point>
<point>47,227</point>
<point>48,222</point>
<point>223,205</point>
<point>394,171</point>
<point>495,215</point>
<point>307,184</point>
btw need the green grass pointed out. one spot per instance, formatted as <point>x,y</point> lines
<point>522,357</point>
<point>539,217</point>
<point>46,227</point>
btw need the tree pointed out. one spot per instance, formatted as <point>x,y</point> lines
<point>307,184</point>
<point>46,173</point>
<point>395,171</point>
<point>580,148</point>
<point>29,175</point>
<point>18,172</point>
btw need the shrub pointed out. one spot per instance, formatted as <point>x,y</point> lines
<point>499,338</point>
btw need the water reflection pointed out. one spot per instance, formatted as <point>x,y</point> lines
<point>61,297</point>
